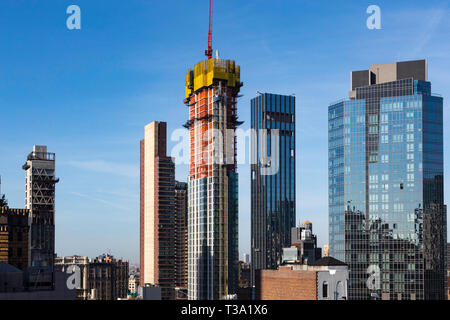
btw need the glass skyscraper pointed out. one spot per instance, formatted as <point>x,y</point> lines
<point>387,218</point>
<point>272,178</point>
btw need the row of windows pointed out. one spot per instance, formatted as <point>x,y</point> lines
<point>18,253</point>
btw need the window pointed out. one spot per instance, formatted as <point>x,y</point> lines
<point>373,130</point>
<point>373,119</point>
<point>398,138</point>
<point>397,106</point>
<point>325,290</point>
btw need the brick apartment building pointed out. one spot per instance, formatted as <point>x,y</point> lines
<point>14,231</point>
<point>324,279</point>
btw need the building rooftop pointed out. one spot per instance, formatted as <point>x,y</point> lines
<point>388,72</point>
<point>7,268</point>
<point>327,261</point>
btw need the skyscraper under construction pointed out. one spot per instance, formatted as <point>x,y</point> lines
<point>212,88</point>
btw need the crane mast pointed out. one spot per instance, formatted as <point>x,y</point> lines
<point>209,50</point>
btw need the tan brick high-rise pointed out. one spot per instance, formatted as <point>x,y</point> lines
<point>157,235</point>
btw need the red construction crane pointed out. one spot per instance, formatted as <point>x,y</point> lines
<point>209,51</point>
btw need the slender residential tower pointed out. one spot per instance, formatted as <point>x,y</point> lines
<point>272,178</point>
<point>157,218</point>
<point>211,91</point>
<point>386,192</point>
<point>40,201</point>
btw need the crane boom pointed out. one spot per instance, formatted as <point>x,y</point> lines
<point>209,50</point>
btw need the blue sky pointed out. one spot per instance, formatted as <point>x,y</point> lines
<point>88,93</point>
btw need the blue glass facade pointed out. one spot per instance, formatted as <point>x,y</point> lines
<point>272,178</point>
<point>387,218</point>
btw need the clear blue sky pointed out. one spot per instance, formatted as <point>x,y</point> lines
<point>88,93</point>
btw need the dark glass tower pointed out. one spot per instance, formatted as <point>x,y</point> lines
<point>272,178</point>
<point>181,250</point>
<point>386,204</point>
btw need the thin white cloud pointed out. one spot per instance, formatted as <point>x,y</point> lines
<point>429,29</point>
<point>421,38</point>
<point>101,166</point>
<point>122,193</point>
<point>110,203</point>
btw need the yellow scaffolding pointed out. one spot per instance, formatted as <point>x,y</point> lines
<point>207,71</point>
